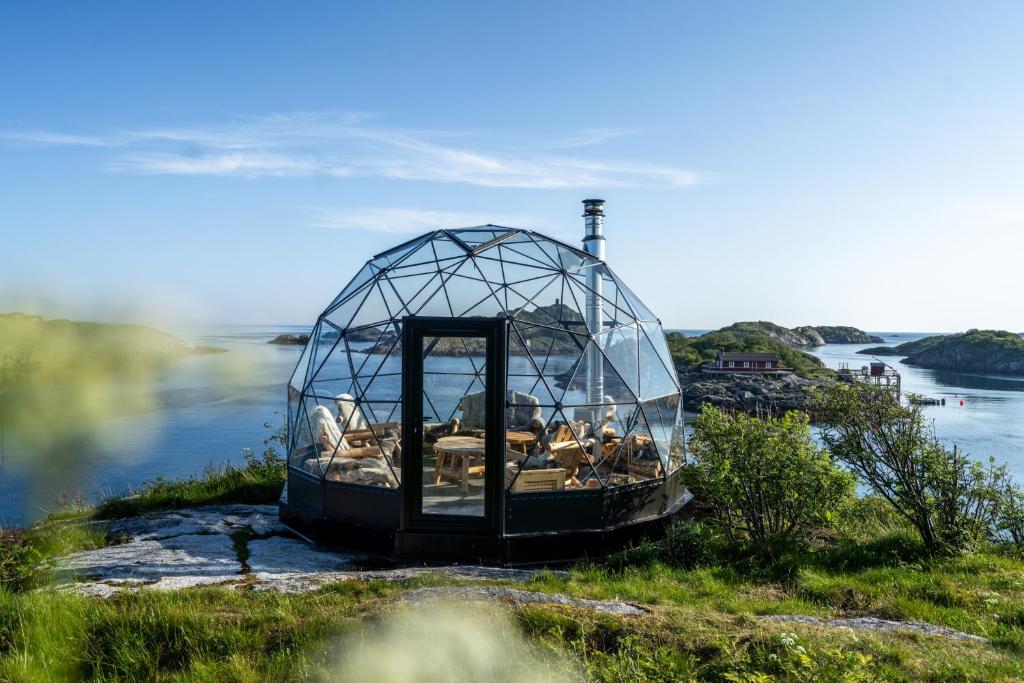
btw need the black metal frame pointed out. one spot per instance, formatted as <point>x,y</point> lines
<point>495,332</point>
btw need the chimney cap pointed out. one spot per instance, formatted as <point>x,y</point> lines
<point>593,207</point>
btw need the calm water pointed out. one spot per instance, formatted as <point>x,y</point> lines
<point>989,423</point>
<point>210,408</point>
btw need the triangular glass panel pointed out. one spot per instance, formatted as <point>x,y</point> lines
<point>474,237</point>
<point>573,447</point>
<point>444,248</point>
<point>550,249</point>
<point>572,261</point>
<point>302,446</point>
<point>612,316</point>
<point>327,390</point>
<point>298,377</point>
<point>385,386</point>
<point>524,373</point>
<point>640,311</point>
<point>341,316</point>
<point>573,379</point>
<point>660,423</point>
<point>365,274</point>
<point>491,271</point>
<point>656,337</point>
<point>512,255</point>
<point>655,378</point>
<point>467,291</point>
<point>677,454</point>
<point>434,300</point>
<point>540,303</point>
<point>489,307</point>
<point>373,311</point>
<point>390,258</point>
<point>554,353</point>
<point>382,414</point>
<point>621,351</point>
<point>532,250</point>
<point>636,458</point>
<point>321,345</point>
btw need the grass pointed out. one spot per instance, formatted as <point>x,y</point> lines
<point>258,482</point>
<point>704,595</point>
<point>702,626</point>
<point>691,353</point>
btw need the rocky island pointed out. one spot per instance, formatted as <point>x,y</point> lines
<point>840,334</point>
<point>995,351</point>
<point>290,340</point>
<point>748,392</point>
<point>805,335</point>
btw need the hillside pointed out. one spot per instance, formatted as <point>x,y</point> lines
<point>840,334</point>
<point>972,351</point>
<point>805,335</point>
<point>777,332</point>
<point>690,353</point>
<point>32,347</point>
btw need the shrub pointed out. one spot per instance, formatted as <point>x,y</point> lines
<point>258,482</point>
<point>951,500</point>
<point>765,479</point>
<point>18,559</point>
<point>1010,519</point>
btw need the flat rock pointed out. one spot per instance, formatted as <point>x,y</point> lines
<point>165,564</point>
<point>281,555</point>
<point>875,624</point>
<point>515,596</point>
<point>259,520</point>
<point>196,547</point>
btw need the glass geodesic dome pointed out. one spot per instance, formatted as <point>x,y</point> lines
<point>591,401</point>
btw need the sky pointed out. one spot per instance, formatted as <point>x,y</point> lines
<point>237,162</point>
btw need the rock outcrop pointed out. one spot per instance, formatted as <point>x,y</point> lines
<point>749,393</point>
<point>806,335</point>
<point>290,339</point>
<point>994,351</point>
<point>777,332</point>
<point>838,334</point>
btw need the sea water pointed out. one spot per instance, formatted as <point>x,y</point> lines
<point>209,408</point>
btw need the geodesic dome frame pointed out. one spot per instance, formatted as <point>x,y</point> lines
<point>629,434</point>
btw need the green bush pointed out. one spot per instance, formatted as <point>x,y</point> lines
<point>765,479</point>
<point>951,500</point>
<point>18,559</point>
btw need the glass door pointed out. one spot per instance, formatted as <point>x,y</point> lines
<point>456,461</point>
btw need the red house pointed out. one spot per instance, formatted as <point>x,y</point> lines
<point>742,362</point>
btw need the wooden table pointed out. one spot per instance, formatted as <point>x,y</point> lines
<point>455,456</point>
<point>462,456</point>
<point>520,441</point>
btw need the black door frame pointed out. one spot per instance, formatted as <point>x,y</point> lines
<point>495,331</point>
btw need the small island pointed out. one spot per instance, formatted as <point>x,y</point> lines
<point>995,351</point>
<point>806,335</point>
<point>747,391</point>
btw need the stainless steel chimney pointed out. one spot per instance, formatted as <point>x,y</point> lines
<point>593,243</point>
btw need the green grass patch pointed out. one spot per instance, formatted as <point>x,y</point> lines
<point>258,482</point>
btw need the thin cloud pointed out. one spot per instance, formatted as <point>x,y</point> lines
<point>247,164</point>
<point>350,145</point>
<point>594,136</point>
<point>406,220</point>
<point>42,137</point>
